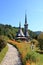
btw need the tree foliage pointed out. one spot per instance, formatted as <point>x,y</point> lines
<point>10,31</point>
<point>40,36</point>
<point>40,39</point>
<point>41,44</point>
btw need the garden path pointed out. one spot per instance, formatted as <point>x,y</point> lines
<point>12,57</point>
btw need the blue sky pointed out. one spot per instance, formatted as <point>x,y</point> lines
<point>13,11</point>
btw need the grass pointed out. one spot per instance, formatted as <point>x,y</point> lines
<point>24,48</point>
<point>3,52</point>
<point>40,60</point>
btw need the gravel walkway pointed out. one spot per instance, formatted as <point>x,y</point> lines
<point>12,57</point>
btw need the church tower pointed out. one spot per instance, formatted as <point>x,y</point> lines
<point>20,33</point>
<point>26,27</point>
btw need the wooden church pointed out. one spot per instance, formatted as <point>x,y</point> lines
<point>20,35</point>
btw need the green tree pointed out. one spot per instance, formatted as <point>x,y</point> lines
<point>40,39</point>
<point>40,44</point>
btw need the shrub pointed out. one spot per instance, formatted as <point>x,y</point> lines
<point>34,42</point>
<point>2,43</point>
<point>32,57</point>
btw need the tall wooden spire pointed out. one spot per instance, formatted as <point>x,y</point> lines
<point>25,18</point>
<point>26,27</point>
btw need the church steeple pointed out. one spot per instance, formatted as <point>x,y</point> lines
<point>26,27</point>
<point>20,34</point>
<point>19,24</point>
<point>25,18</point>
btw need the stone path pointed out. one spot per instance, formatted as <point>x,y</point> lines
<point>12,57</point>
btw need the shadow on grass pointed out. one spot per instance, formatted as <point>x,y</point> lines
<point>40,51</point>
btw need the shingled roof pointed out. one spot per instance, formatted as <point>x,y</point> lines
<point>20,32</point>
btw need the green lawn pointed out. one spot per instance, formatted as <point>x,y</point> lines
<point>40,60</point>
<point>3,52</point>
